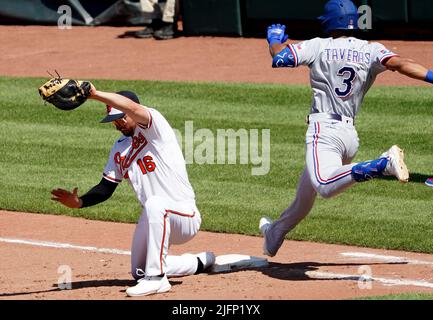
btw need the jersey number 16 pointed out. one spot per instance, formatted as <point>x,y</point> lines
<point>146,165</point>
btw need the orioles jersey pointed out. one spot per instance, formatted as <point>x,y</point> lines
<point>151,161</point>
<point>342,70</point>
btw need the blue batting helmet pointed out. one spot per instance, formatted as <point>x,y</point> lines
<point>339,15</point>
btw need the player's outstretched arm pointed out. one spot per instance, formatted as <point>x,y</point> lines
<point>136,111</point>
<point>99,193</point>
<point>409,68</point>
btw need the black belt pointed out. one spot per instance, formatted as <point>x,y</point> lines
<point>332,116</point>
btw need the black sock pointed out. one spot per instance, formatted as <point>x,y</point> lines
<point>200,266</point>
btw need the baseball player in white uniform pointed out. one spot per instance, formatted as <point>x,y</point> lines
<point>342,69</point>
<point>149,157</point>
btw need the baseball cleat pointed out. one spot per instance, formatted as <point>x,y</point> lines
<point>264,224</point>
<point>387,153</point>
<point>429,182</point>
<point>207,258</point>
<point>149,285</point>
<point>396,166</point>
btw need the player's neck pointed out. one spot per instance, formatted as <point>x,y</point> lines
<point>341,34</point>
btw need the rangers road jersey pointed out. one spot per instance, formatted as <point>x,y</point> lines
<point>341,71</point>
<point>152,161</point>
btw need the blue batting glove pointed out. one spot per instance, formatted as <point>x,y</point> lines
<point>276,34</point>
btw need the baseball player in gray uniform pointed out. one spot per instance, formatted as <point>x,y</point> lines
<point>342,69</point>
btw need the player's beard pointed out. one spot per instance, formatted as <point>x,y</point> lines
<point>127,132</point>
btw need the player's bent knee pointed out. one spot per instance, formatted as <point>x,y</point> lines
<point>324,192</point>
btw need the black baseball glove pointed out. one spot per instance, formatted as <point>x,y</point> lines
<point>65,94</point>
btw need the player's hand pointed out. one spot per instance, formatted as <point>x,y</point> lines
<point>69,199</point>
<point>276,34</point>
<point>92,90</point>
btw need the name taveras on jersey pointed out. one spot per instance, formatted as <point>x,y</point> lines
<point>347,55</point>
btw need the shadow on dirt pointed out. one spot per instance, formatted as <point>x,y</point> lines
<point>281,271</point>
<point>84,284</point>
<point>299,271</point>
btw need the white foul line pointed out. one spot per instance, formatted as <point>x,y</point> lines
<point>384,258</point>
<point>64,246</point>
<point>354,277</point>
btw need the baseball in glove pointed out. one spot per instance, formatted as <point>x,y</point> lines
<point>65,94</point>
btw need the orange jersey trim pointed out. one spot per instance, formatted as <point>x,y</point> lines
<point>162,244</point>
<point>110,178</point>
<point>181,214</point>
<point>164,231</point>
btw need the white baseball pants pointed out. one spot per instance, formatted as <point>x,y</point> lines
<point>164,222</point>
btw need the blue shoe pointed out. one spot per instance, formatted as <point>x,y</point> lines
<point>429,182</point>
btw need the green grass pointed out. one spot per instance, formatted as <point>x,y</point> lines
<point>43,148</point>
<point>400,296</point>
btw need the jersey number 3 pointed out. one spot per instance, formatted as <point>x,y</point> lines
<point>349,75</point>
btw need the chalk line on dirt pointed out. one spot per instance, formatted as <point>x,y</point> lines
<point>363,278</point>
<point>364,255</point>
<point>61,245</point>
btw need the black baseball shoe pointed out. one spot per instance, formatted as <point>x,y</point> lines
<point>165,32</point>
<point>147,32</point>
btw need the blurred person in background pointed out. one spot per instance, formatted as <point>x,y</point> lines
<point>160,19</point>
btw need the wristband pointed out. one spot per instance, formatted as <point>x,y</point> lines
<point>429,76</point>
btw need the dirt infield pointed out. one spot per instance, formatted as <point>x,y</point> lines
<point>301,270</point>
<point>33,247</point>
<point>85,52</point>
